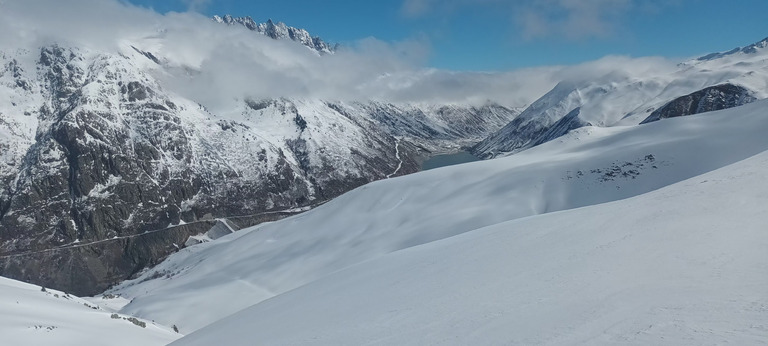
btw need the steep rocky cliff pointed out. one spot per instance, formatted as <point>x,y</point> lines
<point>279,31</point>
<point>96,152</point>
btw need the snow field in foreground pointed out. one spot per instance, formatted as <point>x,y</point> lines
<point>31,316</point>
<point>587,167</point>
<point>683,265</point>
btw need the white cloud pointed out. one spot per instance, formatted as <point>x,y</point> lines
<point>89,23</point>
<point>197,5</point>
<point>215,64</point>
<point>574,19</point>
<point>415,8</point>
<point>229,63</point>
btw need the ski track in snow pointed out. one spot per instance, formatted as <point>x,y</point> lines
<point>397,155</point>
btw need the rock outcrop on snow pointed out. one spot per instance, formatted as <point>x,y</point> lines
<point>279,31</point>
<point>709,99</point>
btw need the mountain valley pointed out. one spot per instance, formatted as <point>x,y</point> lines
<point>192,179</point>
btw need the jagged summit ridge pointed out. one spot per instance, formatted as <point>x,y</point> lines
<point>279,31</point>
<point>750,49</point>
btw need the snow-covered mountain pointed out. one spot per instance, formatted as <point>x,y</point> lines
<point>631,95</point>
<point>588,166</point>
<point>279,31</point>
<point>102,158</point>
<point>682,265</point>
<point>746,50</point>
<point>157,153</point>
<point>33,315</point>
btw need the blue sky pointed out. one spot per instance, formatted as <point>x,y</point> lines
<point>509,34</point>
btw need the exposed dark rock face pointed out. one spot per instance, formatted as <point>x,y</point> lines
<point>90,268</point>
<point>97,154</point>
<point>279,31</point>
<point>714,98</point>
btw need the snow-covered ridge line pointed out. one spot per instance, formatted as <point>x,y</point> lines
<point>750,49</point>
<point>279,31</point>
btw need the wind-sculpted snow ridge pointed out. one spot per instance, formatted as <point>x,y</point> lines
<point>34,315</point>
<point>630,96</point>
<point>588,166</point>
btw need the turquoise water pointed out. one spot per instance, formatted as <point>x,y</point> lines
<point>448,160</point>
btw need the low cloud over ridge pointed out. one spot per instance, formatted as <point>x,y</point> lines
<point>215,64</point>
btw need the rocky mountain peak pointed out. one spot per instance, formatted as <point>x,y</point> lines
<point>279,31</point>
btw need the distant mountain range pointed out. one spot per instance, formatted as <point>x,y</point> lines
<point>116,179</point>
<point>107,170</point>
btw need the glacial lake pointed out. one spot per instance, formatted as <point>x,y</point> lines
<point>448,160</point>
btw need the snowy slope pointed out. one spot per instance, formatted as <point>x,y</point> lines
<point>628,95</point>
<point>588,166</point>
<point>29,316</point>
<point>683,265</point>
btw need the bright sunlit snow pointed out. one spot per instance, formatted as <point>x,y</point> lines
<point>589,166</point>
<point>683,265</point>
<point>31,316</point>
<point>115,119</point>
